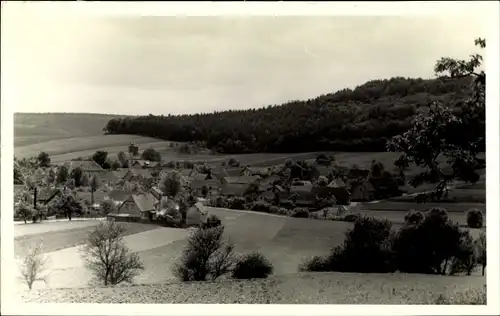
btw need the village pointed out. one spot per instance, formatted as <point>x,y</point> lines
<point>295,189</point>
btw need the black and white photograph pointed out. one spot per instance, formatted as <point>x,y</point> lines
<point>273,158</point>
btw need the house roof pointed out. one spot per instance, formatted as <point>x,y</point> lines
<point>230,172</point>
<point>142,172</point>
<point>119,174</point>
<point>198,184</point>
<point>336,183</point>
<point>145,202</point>
<point>234,189</point>
<point>99,196</point>
<point>305,186</point>
<point>199,176</point>
<point>201,208</point>
<point>86,165</point>
<point>119,195</point>
<point>104,176</point>
<point>366,184</point>
<point>358,173</point>
<point>155,191</point>
<point>241,180</point>
<point>256,170</point>
<point>46,193</point>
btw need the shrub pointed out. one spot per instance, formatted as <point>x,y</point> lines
<point>464,260</point>
<point>315,264</point>
<point>351,217</point>
<point>232,162</point>
<point>475,218</point>
<point>316,215</point>
<point>274,209</point>
<point>428,247</point>
<point>252,266</point>
<point>414,217</point>
<point>283,211</point>
<point>236,203</point>
<point>367,248</point>
<point>206,256</point>
<point>261,206</point>
<point>480,251</point>
<point>107,256</point>
<point>221,202</point>
<point>212,221</point>
<point>300,213</point>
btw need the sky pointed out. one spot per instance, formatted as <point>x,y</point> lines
<point>173,65</point>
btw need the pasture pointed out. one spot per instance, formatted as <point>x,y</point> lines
<point>285,241</point>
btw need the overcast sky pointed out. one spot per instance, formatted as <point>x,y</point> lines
<point>161,65</point>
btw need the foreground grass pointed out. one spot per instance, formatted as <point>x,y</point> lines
<point>302,288</point>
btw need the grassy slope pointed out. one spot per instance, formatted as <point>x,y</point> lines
<point>301,288</point>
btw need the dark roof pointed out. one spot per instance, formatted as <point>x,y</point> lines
<point>367,184</point>
<point>119,195</point>
<point>306,186</point>
<point>198,184</point>
<point>104,176</point>
<point>241,180</point>
<point>234,189</point>
<point>155,191</point>
<point>119,174</point>
<point>358,173</point>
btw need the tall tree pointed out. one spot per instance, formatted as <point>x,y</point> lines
<point>62,175</point>
<point>443,135</point>
<point>77,175</point>
<point>43,159</point>
<point>94,185</point>
<point>100,157</point>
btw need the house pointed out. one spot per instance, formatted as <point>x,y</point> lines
<point>156,192</point>
<point>118,196</point>
<point>99,197</point>
<point>137,174</point>
<point>201,177</point>
<point>271,179</point>
<point>85,165</point>
<point>219,173</point>
<point>138,206</point>
<point>356,173</point>
<point>240,180</point>
<point>45,195</point>
<point>119,174</point>
<point>301,186</point>
<point>233,189</point>
<point>254,171</point>
<point>196,215</point>
<point>104,176</point>
<point>133,149</point>
<point>337,183</point>
<point>212,185</point>
<point>362,191</point>
<point>141,163</point>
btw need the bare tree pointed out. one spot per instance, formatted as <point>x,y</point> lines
<point>107,256</point>
<point>33,266</point>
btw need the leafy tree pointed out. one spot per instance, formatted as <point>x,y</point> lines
<point>62,175</point>
<point>18,173</point>
<point>107,256</point>
<point>43,159</point>
<point>446,133</point>
<point>464,261</point>
<point>85,180</point>
<point>24,211</point>
<point>67,205</point>
<point>51,177</point>
<point>77,175</point>
<point>204,191</point>
<point>107,207</point>
<point>100,157</point>
<point>95,183</point>
<point>207,256</point>
<point>115,165</point>
<point>151,154</point>
<point>122,157</point>
<point>474,218</point>
<point>171,184</point>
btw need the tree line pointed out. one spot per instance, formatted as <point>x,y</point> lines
<point>360,119</point>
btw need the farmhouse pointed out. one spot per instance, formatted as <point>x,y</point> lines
<point>212,185</point>
<point>45,195</point>
<point>254,171</point>
<point>133,149</point>
<point>233,189</point>
<point>356,173</point>
<point>104,176</point>
<point>337,183</point>
<point>362,191</point>
<point>99,197</point>
<point>138,206</point>
<point>85,165</point>
<point>240,180</point>
<point>301,186</point>
<point>137,174</point>
<point>196,215</point>
<point>219,173</point>
<point>140,163</point>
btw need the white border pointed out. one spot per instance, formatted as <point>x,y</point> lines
<point>489,9</point>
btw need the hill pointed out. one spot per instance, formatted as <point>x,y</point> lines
<point>33,128</point>
<point>361,119</point>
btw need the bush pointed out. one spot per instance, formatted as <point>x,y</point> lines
<point>106,255</point>
<point>367,248</point>
<point>274,209</point>
<point>428,247</point>
<point>283,211</point>
<point>351,218</point>
<point>464,260</point>
<point>212,221</point>
<point>316,215</point>
<point>252,266</point>
<point>480,250</point>
<point>300,213</point>
<point>236,203</point>
<point>221,202</point>
<point>315,264</point>
<point>475,218</point>
<point>206,256</point>
<point>261,206</point>
<point>414,217</point>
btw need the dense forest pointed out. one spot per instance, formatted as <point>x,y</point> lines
<point>360,119</point>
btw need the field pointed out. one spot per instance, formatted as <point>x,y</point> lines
<point>302,288</point>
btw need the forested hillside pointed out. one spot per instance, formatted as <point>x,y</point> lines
<point>361,119</point>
